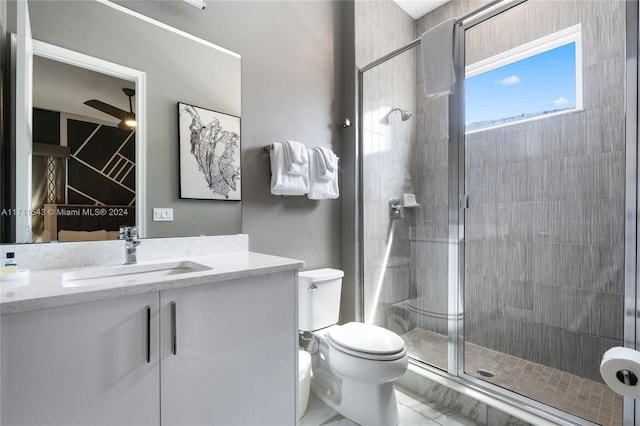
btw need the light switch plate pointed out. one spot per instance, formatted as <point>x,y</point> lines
<point>162,214</point>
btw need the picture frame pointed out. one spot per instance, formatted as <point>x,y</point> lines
<point>210,166</point>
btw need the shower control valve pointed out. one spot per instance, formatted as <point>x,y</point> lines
<point>396,211</point>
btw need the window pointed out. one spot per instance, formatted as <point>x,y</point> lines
<point>533,81</point>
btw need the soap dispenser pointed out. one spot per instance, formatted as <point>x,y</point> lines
<point>10,264</point>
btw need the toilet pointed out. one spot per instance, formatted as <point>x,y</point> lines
<point>353,365</point>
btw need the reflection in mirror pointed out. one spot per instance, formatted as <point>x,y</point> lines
<point>169,65</point>
<point>83,156</point>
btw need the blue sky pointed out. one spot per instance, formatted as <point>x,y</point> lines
<point>542,82</point>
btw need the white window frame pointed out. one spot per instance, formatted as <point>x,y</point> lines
<point>568,35</point>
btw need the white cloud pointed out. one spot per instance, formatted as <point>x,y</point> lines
<point>508,81</point>
<point>560,101</point>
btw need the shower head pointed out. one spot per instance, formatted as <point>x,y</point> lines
<point>404,115</point>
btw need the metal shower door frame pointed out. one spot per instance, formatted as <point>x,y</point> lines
<point>631,408</point>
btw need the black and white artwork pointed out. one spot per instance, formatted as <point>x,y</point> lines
<point>209,154</point>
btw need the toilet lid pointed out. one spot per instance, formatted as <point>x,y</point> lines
<point>367,338</point>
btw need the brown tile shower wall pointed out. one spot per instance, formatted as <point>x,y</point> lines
<point>545,231</point>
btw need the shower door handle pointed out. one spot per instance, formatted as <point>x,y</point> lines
<point>464,201</point>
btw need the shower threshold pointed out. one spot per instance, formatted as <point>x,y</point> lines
<point>579,396</point>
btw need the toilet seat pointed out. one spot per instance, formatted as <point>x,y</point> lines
<point>367,341</point>
<point>369,356</point>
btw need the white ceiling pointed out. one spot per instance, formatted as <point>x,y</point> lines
<point>62,87</point>
<point>418,8</point>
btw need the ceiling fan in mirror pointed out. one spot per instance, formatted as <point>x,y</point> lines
<point>127,119</point>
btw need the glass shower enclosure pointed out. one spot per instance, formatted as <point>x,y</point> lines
<point>498,223</point>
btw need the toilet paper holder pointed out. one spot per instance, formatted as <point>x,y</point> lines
<point>620,370</point>
<point>628,378</point>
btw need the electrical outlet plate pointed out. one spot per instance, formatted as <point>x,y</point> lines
<point>162,214</point>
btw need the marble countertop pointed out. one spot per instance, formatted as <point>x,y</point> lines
<point>44,289</point>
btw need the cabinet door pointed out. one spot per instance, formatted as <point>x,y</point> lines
<point>235,353</point>
<point>82,364</point>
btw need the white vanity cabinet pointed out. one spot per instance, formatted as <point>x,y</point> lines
<point>233,358</point>
<point>222,353</point>
<point>83,364</point>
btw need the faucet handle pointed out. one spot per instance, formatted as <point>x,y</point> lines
<point>128,232</point>
<point>130,235</point>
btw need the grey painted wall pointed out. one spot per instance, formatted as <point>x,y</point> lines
<point>290,57</point>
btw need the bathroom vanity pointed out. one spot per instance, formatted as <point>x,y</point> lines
<point>216,345</point>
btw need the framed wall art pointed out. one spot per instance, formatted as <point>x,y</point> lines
<point>209,154</point>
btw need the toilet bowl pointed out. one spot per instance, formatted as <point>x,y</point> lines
<point>355,364</point>
<point>354,370</point>
<point>304,381</point>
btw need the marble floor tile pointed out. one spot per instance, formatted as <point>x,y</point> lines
<point>413,410</point>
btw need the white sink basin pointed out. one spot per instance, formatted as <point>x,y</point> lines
<point>128,273</point>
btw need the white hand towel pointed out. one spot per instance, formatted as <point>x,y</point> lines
<point>321,189</point>
<point>296,158</point>
<point>283,183</point>
<point>327,163</point>
<point>437,59</point>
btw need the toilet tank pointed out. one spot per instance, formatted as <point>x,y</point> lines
<point>319,298</point>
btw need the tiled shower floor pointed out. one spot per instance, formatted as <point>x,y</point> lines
<point>585,398</point>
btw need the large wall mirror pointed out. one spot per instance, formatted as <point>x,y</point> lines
<point>95,100</point>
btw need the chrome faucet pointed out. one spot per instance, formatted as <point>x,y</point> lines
<point>130,235</point>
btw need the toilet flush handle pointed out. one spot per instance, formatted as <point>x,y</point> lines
<point>312,287</point>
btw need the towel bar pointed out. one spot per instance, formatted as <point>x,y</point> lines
<point>267,148</point>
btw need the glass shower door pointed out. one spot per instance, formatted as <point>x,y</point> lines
<point>405,207</point>
<point>544,169</point>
